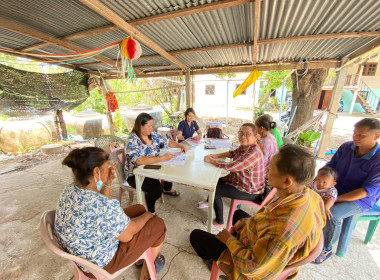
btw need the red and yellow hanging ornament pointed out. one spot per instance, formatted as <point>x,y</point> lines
<point>112,104</point>
<point>130,49</point>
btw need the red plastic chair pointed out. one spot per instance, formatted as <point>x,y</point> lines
<point>48,236</point>
<point>289,270</point>
<point>235,202</point>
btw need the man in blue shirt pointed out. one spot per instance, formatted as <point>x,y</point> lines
<point>358,165</point>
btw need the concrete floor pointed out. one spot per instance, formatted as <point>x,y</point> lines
<point>25,195</point>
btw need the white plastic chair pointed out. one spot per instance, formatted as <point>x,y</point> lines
<point>48,236</point>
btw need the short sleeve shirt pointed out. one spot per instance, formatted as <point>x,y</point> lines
<point>270,148</point>
<point>135,149</point>
<point>331,192</point>
<point>87,224</point>
<point>188,131</point>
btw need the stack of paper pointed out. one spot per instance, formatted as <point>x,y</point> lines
<point>218,143</point>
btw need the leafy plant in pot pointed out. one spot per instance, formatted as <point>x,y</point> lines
<point>307,139</point>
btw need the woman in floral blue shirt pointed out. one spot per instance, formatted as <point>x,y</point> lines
<point>92,226</point>
<point>143,147</point>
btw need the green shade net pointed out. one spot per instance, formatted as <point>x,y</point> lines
<point>21,90</point>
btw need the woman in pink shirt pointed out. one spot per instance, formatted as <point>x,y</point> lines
<point>268,142</point>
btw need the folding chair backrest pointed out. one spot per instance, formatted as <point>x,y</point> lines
<point>104,141</point>
<point>311,257</point>
<point>119,157</point>
<point>48,236</point>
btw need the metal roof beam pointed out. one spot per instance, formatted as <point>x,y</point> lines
<point>111,16</point>
<point>165,16</point>
<point>26,31</point>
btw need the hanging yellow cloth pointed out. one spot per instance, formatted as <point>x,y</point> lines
<point>255,74</point>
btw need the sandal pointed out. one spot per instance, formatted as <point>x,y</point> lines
<point>159,263</point>
<point>172,193</point>
<point>322,257</point>
<point>201,205</point>
<point>205,222</point>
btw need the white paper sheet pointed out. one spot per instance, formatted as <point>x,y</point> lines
<point>193,142</point>
<point>178,160</point>
<point>217,143</point>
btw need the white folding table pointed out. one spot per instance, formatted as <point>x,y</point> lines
<point>195,172</point>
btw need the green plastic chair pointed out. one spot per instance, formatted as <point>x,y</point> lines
<point>349,223</point>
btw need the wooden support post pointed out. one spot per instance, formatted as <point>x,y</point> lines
<point>332,109</point>
<point>56,126</point>
<point>360,70</point>
<point>188,88</point>
<point>62,123</point>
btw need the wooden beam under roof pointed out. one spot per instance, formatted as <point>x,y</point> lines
<point>110,15</point>
<point>164,16</point>
<point>29,32</point>
<point>256,32</point>
<point>331,63</point>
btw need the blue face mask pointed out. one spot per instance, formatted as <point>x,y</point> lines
<point>99,183</point>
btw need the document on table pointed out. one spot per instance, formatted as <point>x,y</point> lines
<point>217,143</point>
<point>178,160</point>
<point>193,142</point>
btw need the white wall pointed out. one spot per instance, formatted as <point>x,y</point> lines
<point>219,99</point>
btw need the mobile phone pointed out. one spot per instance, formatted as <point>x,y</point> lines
<point>152,166</point>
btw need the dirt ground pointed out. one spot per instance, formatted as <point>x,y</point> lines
<point>31,184</point>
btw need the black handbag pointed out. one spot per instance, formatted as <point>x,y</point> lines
<point>215,132</point>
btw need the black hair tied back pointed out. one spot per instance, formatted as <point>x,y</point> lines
<point>83,161</point>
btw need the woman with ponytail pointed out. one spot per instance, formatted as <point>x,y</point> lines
<point>268,142</point>
<point>91,225</point>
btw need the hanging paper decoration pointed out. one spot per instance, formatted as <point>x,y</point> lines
<point>112,104</point>
<point>130,49</point>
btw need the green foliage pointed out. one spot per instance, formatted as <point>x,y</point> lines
<point>26,149</point>
<point>275,78</point>
<point>30,65</point>
<point>94,102</point>
<point>70,129</point>
<point>226,75</point>
<point>3,117</point>
<point>120,125</point>
<point>257,112</point>
<point>308,138</point>
<point>274,102</point>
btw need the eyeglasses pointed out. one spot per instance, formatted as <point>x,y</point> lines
<point>247,134</point>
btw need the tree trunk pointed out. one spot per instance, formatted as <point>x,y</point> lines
<point>62,123</point>
<point>306,88</point>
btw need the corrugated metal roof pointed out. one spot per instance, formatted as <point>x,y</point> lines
<point>53,17</point>
<point>14,41</point>
<point>286,18</point>
<point>136,9</point>
<point>233,25</point>
<point>218,27</point>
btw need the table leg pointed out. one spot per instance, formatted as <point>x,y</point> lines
<point>139,181</point>
<point>211,196</point>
